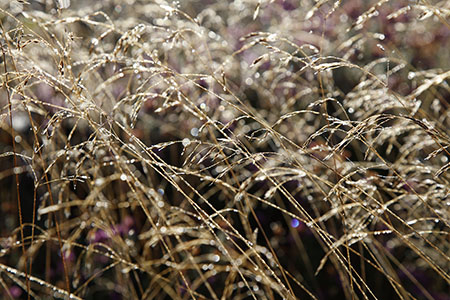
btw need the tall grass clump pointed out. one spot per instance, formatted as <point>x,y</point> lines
<point>247,149</point>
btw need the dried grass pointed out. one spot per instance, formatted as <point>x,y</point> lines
<point>225,150</point>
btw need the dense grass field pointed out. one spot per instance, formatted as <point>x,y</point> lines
<point>246,149</point>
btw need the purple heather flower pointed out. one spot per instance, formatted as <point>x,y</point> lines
<point>15,291</point>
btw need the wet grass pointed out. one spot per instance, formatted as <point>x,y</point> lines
<point>225,149</point>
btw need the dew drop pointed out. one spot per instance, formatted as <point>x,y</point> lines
<point>194,131</point>
<point>17,170</point>
<point>186,142</point>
